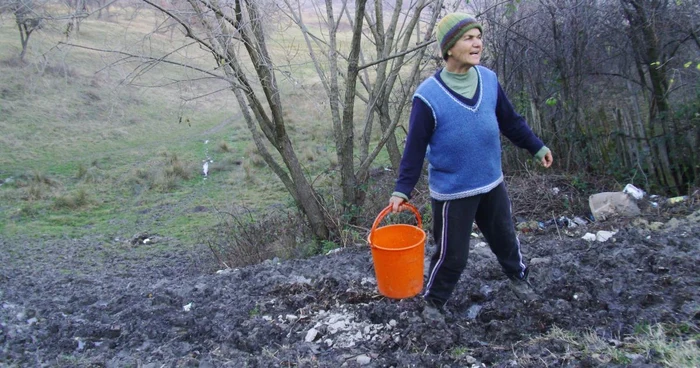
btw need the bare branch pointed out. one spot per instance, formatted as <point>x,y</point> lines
<point>420,46</point>
<point>153,59</point>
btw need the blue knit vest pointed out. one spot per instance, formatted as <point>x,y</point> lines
<point>464,152</point>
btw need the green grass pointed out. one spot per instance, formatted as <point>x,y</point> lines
<point>75,141</point>
<point>104,135</point>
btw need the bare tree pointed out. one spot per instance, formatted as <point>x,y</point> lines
<point>394,43</point>
<point>27,17</point>
<point>235,34</point>
<point>603,82</point>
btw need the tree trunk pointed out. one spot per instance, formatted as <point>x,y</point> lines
<point>643,33</point>
<point>24,39</point>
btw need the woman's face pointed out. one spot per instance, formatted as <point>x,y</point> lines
<point>467,51</point>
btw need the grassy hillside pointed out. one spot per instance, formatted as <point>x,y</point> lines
<point>93,142</point>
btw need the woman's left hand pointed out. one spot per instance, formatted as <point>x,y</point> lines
<point>547,159</point>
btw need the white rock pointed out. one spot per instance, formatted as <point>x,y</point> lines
<point>291,318</point>
<point>393,323</point>
<point>334,318</point>
<point>335,327</point>
<point>328,342</point>
<point>363,359</point>
<point>611,204</point>
<point>311,335</point>
<point>32,321</point>
<point>187,307</point>
<point>589,237</point>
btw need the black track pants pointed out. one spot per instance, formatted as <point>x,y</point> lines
<point>452,228</point>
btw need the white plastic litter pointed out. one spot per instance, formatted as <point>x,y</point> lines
<point>588,237</point>
<point>603,235</point>
<point>635,192</point>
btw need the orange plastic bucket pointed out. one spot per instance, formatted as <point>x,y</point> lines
<point>397,252</point>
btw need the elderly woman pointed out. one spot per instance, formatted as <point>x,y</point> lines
<point>456,118</point>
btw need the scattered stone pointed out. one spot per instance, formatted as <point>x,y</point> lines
<point>656,226</point>
<point>608,205</point>
<point>540,260</point>
<point>333,251</point>
<point>368,281</point>
<point>528,226</point>
<point>311,335</point>
<point>333,328</point>
<point>363,359</point>
<point>473,312</point>
<point>672,224</point>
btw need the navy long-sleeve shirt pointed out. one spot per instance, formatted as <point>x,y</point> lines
<point>422,125</point>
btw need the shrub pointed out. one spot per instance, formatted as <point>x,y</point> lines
<point>223,147</point>
<point>88,174</point>
<point>163,175</point>
<point>73,201</point>
<point>243,237</point>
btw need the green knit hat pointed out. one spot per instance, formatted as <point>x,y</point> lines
<point>452,27</point>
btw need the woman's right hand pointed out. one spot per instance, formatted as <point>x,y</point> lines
<point>396,204</point>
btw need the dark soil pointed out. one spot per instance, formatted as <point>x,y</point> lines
<point>102,302</point>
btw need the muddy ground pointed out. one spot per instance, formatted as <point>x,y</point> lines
<point>105,302</point>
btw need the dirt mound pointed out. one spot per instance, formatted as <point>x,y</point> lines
<point>94,302</point>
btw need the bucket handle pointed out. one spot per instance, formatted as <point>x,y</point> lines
<point>387,210</point>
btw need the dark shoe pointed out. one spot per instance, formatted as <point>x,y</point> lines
<point>523,290</point>
<point>432,314</point>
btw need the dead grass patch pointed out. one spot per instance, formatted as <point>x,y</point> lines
<point>656,344</point>
<point>72,201</point>
<point>164,174</point>
<point>245,237</point>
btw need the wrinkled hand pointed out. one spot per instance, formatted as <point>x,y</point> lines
<point>396,204</point>
<point>547,159</point>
